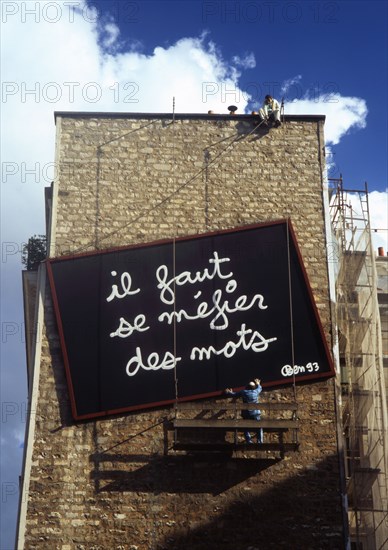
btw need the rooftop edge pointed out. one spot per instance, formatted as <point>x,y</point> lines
<point>178,116</point>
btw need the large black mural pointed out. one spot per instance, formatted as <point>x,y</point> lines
<point>145,325</point>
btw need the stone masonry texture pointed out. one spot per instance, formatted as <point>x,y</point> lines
<point>107,484</point>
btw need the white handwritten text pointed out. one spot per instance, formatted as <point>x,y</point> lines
<point>187,277</point>
<point>256,343</point>
<point>126,283</point>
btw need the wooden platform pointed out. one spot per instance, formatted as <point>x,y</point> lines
<point>219,427</point>
<point>236,424</point>
<point>211,447</point>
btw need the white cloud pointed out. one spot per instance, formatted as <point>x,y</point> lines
<point>342,113</point>
<point>246,62</point>
<point>378,208</point>
<point>92,73</point>
<point>182,69</point>
<point>289,83</point>
<point>110,34</point>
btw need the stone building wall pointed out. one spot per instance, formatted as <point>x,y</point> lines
<point>106,484</point>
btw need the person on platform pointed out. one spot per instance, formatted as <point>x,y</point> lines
<point>250,395</point>
<point>270,110</point>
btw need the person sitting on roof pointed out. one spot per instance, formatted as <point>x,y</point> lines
<point>250,395</point>
<point>270,110</point>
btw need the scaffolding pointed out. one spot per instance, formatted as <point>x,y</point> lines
<point>364,400</point>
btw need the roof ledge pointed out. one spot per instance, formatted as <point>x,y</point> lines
<point>179,116</point>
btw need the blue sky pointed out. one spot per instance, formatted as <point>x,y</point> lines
<point>323,57</point>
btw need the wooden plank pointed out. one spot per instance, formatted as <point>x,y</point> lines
<point>185,406</point>
<point>233,424</point>
<point>226,446</point>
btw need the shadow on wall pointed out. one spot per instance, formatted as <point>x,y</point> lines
<point>296,515</point>
<point>230,503</point>
<point>254,129</point>
<point>173,474</point>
